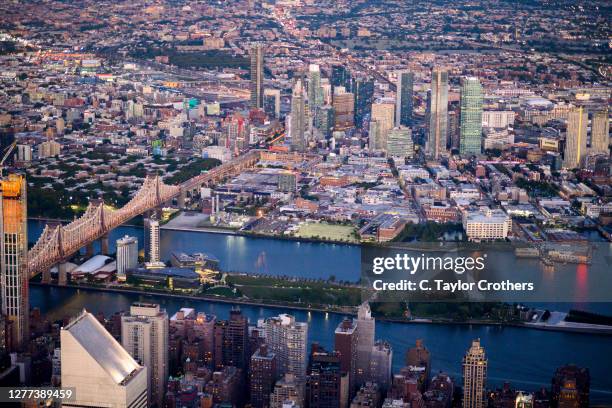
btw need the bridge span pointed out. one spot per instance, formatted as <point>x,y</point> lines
<point>59,242</point>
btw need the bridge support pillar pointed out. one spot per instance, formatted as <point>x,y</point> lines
<point>62,276</point>
<point>104,245</point>
<point>46,276</point>
<point>89,250</point>
<point>182,199</point>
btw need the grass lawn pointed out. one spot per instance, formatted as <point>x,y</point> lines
<point>317,293</point>
<point>327,231</point>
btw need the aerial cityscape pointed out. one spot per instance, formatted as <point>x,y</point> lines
<point>190,192</point>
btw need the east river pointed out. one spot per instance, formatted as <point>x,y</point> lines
<point>525,357</point>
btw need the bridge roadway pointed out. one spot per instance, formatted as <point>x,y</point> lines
<point>58,242</point>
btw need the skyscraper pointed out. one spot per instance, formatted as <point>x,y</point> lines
<point>315,92</point>
<point>363,90</point>
<point>324,120</point>
<point>324,387</point>
<point>340,77</point>
<point>232,341</point>
<point>399,143</point>
<point>257,75</point>
<point>381,360</point>
<point>383,112</point>
<point>13,257</point>
<point>403,99</point>
<point>470,131</point>
<point>287,339</point>
<point>600,132</point>
<point>144,334</point>
<point>262,375</point>
<point>298,118</point>
<point>474,376</point>
<point>344,109</point>
<point>346,341</point>
<point>419,357</point>
<point>98,369</point>
<point>152,244</point>
<point>438,113</point>
<point>366,325</point>
<point>272,102</point>
<point>127,255</point>
<point>570,387</point>
<point>576,139</point>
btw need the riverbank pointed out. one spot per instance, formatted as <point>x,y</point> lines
<point>343,311</point>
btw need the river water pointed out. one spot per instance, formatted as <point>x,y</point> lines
<point>526,358</point>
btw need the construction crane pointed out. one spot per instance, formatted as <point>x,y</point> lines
<point>7,153</point>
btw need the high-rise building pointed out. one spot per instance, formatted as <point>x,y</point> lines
<point>403,99</point>
<point>50,148</point>
<point>344,109</point>
<point>576,139</point>
<point>399,143</point>
<point>98,369</point>
<point>366,325</point>
<point>13,257</point>
<point>324,386</point>
<point>286,389</point>
<point>363,89</point>
<point>374,137</point>
<point>419,357</point>
<point>257,75</point>
<point>271,103</point>
<point>288,339</point>
<point>315,92</point>
<point>298,118</point>
<point>474,376</point>
<point>262,375</point>
<point>152,242</point>
<point>144,334</point>
<point>346,341</point>
<point>232,341</point>
<point>383,112</point>
<point>570,387</point>
<point>127,255</point>
<point>381,360</point>
<point>340,77</point>
<point>470,128</point>
<point>438,113</point>
<point>600,132</point>
<point>324,120</point>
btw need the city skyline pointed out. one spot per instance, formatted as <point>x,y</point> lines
<point>196,198</point>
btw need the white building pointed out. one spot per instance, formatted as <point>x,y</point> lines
<point>487,224</point>
<point>288,339</point>
<point>220,153</point>
<point>152,236</point>
<point>49,148</point>
<point>497,119</point>
<point>381,361</point>
<point>144,334</point>
<point>99,370</point>
<point>365,341</point>
<point>399,143</point>
<point>127,255</point>
<point>24,153</point>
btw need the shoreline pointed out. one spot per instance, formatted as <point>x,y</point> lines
<point>605,331</point>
